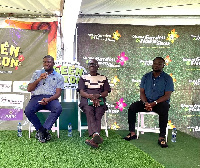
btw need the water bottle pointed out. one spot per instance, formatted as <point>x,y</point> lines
<point>174,132</point>
<point>19,130</point>
<point>70,130</point>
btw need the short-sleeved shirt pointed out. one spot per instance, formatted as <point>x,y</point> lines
<point>93,85</point>
<point>156,87</point>
<point>47,86</point>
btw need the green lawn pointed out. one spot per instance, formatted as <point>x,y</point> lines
<point>185,153</point>
<point>72,152</point>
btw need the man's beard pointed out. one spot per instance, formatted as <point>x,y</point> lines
<point>157,70</point>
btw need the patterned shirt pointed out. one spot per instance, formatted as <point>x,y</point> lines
<point>47,86</point>
<point>93,85</point>
<point>156,87</point>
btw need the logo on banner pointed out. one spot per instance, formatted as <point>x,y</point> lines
<point>10,57</point>
<point>192,61</point>
<point>159,40</point>
<point>71,71</point>
<point>5,86</point>
<point>191,107</point>
<point>11,114</point>
<point>195,37</point>
<point>106,37</point>
<point>195,82</point>
<point>12,107</point>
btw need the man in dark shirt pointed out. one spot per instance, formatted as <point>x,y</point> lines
<point>93,86</point>
<point>155,91</point>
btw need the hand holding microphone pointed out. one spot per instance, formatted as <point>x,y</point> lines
<point>44,76</point>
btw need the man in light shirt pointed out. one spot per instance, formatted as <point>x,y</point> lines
<point>45,87</point>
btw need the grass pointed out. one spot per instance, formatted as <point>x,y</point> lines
<point>70,152</point>
<point>183,153</point>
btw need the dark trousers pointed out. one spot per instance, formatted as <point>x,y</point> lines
<point>161,109</point>
<point>33,106</point>
<point>94,116</point>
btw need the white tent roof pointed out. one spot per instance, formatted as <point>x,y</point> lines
<point>140,12</point>
<point>140,7</point>
<point>31,8</point>
<point>104,7</point>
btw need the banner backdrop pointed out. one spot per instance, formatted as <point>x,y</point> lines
<point>125,54</point>
<point>22,48</point>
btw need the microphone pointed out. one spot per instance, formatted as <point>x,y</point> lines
<point>44,80</point>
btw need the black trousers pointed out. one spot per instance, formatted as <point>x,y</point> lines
<point>161,109</point>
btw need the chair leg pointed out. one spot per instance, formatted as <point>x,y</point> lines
<point>166,136</point>
<point>138,125</point>
<point>58,127</point>
<point>79,121</point>
<point>29,130</point>
<point>142,122</point>
<point>106,129</point>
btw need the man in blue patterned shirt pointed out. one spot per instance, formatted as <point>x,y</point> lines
<point>45,87</point>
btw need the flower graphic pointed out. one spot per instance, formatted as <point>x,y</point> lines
<point>167,60</point>
<point>174,80</point>
<point>120,104</point>
<point>115,126</point>
<point>172,36</point>
<point>170,125</point>
<point>116,35</point>
<point>122,58</point>
<point>16,68</point>
<point>115,80</point>
<point>21,58</point>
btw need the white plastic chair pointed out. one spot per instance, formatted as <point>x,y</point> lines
<point>80,127</point>
<point>54,128</point>
<point>141,127</point>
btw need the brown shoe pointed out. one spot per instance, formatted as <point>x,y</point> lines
<point>97,139</point>
<point>91,143</point>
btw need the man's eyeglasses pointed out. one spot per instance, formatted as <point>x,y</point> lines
<point>92,64</point>
<point>48,62</point>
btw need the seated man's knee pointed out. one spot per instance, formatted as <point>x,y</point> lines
<point>163,106</point>
<point>28,112</point>
<point>131,107</point>
<point>57,109</point>
<point>100,114</point>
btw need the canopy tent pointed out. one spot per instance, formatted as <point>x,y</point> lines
<point>140,7</point>
<point>140,12</point>
<point>29,8</point>
<point>137,12</point>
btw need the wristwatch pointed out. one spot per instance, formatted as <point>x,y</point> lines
<point>100,95</point>
<point>156,102</point>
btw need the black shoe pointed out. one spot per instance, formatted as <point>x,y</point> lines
<point>40,137</point>
<point>47,136</point>
<point>129,137</point>
<point>162,143</point>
